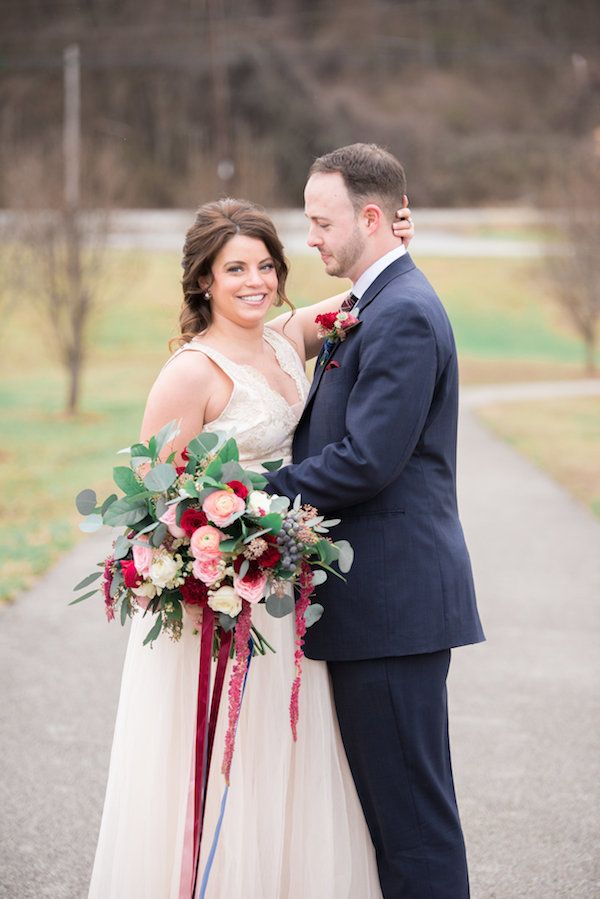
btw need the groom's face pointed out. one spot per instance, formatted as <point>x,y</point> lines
<point>334,225</point>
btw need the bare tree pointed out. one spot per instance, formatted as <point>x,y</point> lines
<point>575,275</point>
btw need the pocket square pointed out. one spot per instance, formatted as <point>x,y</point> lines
<point>333,364</point>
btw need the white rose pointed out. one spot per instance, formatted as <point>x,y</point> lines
<point>259,503</point>
<point>225,599</point>
<point>164,569</point>
<point>147,590</point>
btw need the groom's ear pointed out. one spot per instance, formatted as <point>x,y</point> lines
<point>373,217</point>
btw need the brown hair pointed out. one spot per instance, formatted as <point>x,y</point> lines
<point>214,225</point>
<point>369,172</point>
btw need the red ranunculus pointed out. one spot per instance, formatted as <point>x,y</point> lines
<point>180,469</point>
<point>327,320</point>
<point>194,592</point>
<point>191,520</point>
<point>238,488</point>
<point>185,455</point>
<point>131,577</point>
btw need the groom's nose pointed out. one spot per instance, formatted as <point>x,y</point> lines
<point>313,240</point>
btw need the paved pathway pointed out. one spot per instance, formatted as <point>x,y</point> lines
<point>524,705</point>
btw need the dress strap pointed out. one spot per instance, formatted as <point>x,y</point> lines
<point>231,369</point>
<point>288,359</point>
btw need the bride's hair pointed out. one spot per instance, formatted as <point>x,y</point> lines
<point>214,225</point>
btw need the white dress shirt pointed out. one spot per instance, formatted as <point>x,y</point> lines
<point>374,270</point>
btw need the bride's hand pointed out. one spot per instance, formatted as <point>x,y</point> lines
<point>402,226</point>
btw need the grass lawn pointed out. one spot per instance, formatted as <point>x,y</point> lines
<point>506,329</point>
<point>562,436</point>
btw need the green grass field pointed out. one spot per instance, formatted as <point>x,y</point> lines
<point>506,329</point>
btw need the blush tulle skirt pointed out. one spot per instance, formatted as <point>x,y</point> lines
<point>293,826</point>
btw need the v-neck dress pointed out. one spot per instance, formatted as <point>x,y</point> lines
<point>293,827</point>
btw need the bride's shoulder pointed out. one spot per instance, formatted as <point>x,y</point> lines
<point>185,365</point>
<point>286,339</point>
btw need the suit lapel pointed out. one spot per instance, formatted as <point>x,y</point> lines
<point>398,267</point>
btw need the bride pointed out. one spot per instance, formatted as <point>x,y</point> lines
<point>293,828</point>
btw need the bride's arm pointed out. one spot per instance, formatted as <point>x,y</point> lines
<point>300,326</point>
<point>189,375</point>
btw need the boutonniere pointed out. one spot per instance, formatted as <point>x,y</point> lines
<point>333,328</point>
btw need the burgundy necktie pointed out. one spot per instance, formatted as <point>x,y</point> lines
<point>348,303</point>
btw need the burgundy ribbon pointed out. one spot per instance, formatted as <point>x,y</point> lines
<point>206,724</point>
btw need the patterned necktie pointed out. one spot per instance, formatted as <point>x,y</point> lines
<point>349,303</point>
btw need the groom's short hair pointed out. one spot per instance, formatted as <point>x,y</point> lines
<point>370,173</point>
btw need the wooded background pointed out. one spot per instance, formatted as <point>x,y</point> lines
<point>480,99</point>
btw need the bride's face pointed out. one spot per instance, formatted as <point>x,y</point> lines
<point>244,281</point>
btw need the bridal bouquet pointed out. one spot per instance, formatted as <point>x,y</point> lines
<point>205,538</point>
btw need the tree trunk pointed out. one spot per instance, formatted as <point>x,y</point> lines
<point>590,357</point>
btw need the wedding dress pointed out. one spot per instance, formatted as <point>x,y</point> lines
<point>293,826</point>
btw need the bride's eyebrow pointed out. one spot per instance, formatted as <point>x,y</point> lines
<point>241,261</point>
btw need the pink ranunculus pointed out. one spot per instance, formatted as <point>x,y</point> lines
<point>169,518</point>
<point>204,542</point>
<point>143,556</point>
<point>223,506</point>
<point>208,570</point>
<point>252,590</point>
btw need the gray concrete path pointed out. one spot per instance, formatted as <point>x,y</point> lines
<point>524,705</point>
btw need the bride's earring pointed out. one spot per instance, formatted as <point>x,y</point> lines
<point>207,295</point>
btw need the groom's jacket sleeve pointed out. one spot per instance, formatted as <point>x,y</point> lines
<point>386,411</point>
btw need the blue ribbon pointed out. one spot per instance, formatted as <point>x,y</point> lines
<point>217,834</point>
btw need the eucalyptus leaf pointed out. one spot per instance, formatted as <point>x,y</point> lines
<point>255,534</point>
<point>279,504</point>
<point>258,480</point>
<point>280,606</point>
<point>161,506</point>
<point>226,621</point>
<point>272,521</point>
<point>126,511</point>
<point>346,555</point>
<point>152,448</point>
<point>158,535</point>
<point>160,477</point>
<point>108,502</point>
<point>214,470</point>
<point>88,580</point>
<point>81,598</point>
<point>244,569</point>
<point>117,583</point>
<point>86,501</point>
<point>137,461</point>
<point>121,547</point>
<point>167,434</point>
<point>190,488</point>
<point>125,478</point>
<point>182,505</point>
<point>139,450</point>
<point>227,546</point>
<point>330,523</point>
<point>154,631</point>
<point>297,502</point>
<point>232,471</point>
<point>313,613</point>
<point>149,527</point>
<point>91,523</point>
<point>319,577</point>
<point>273,466</point>
<point>229,451</point>
<point>125,606</point>
<point>202,445</point>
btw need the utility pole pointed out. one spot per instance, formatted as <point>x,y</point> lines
<point>72,126</point>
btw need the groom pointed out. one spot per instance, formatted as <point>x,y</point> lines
<point>377,444</point>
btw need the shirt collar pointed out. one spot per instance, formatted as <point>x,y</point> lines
<point>374,270</point>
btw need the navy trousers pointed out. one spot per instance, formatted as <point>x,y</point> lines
<point>394,723</point>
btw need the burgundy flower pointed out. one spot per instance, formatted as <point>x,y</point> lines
<point>180,469</point>
<point>191,520</point>
<point>253,574</point>
<point>131,576</point>
<point>271,555</point>
<point>194,592</point>
<point>238,488</point>
<point>107,580</point>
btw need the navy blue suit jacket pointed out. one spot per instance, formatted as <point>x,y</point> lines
<point>376,447</point>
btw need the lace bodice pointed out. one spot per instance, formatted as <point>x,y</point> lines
<point>262,419</point>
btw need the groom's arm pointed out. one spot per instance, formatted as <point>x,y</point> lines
<point>387,409</point>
